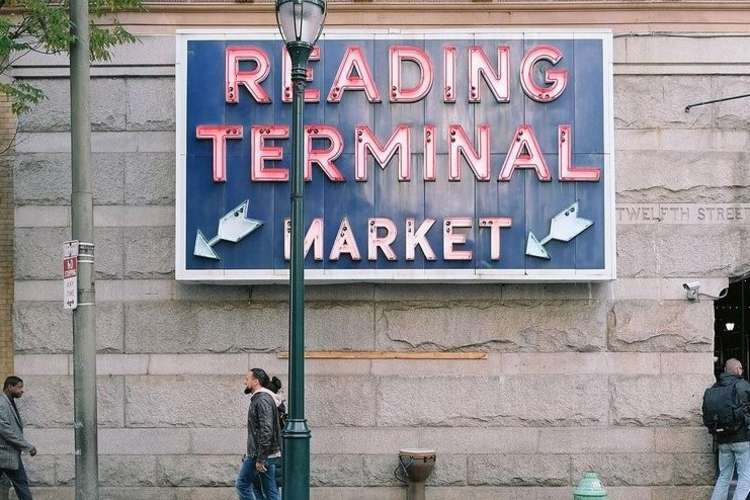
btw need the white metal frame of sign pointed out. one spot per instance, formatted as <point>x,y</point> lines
<point>313,276</point>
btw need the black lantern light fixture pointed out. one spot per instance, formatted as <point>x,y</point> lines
<point>300,23</point>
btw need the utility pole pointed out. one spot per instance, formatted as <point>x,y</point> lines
<point>82,217</point>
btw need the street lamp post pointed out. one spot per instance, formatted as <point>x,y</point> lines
<point>300,23</point>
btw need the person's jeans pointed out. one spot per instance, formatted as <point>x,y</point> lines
<point>729,455</point>
<point>19,480</point>
<point>252,485</point>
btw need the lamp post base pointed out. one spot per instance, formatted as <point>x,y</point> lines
<point>296,437</point>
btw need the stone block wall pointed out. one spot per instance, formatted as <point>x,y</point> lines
<point>605,376</point>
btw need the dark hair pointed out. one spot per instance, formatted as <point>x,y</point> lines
<point>274,385</point>
<point>261,375</point>
<point>12,381</point>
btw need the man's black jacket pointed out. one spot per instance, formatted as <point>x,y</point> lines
<point>743,394</point>
<point>263,431</point>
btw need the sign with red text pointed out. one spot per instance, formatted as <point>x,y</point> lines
<point>428,156</point>
<point>70,274</point>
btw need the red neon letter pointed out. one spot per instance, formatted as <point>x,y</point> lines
<point>430,155</point>
<point>462,146</point>
<point>400,53</point>
<point>366,141</point>
<point>354,60</point>
<point>525,153</point>
<point>498,81</point>
<point>449,74</point>
<point>260,153</point>
<point>568,171</point>
<point>219,135</point>
<point>311,95</point>
<point>557,79</point>
<point>494,223</point>
<point>251,80</point>
<point>323,157</point>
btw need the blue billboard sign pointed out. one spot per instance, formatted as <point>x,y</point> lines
<point>429,156</point>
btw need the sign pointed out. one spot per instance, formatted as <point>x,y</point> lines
<point>70,274</point>
<point>429,156</point>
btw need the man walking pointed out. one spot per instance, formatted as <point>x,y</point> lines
<point>725,414</point>
<point>12,442</point>
<point>257,477</point>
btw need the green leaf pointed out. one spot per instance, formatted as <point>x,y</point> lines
<point>22,96</point>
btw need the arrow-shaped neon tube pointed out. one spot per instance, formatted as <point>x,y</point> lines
<point>565,226</point>
<point>233,226</point>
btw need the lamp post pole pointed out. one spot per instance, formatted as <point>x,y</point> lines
<point>297,433</point>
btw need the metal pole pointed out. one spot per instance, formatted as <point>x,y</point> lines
<point>297,433</point>
<point>82,217</point>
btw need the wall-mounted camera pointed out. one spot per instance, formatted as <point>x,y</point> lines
<point>692,291</point>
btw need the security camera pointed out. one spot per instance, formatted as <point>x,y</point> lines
<point>692,289</point>
<point>693,292</point>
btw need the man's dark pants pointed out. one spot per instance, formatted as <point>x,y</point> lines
<point>19,480</point>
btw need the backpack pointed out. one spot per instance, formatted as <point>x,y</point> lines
<point>283,416</point>
<point>723,412</point>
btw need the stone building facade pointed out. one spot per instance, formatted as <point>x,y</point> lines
<point>605,376</point>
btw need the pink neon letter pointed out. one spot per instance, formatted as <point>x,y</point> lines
<point>366,141</point>
<point>313,238</point>
<point>418,238</point>
<point>498,81</point>
<point>354,59</point>
<point>345,242</point>
<point>375,241</point>
<point>311,95</point>
<point>495,223</point>
<point>525,153</point>
<point>568,171</point>
<point>451,237</point>
<point>251,80</point>
<point>219,135</point>
<point>400,53</point>
<point>260,153</point>
<point>449,74</point>
<point>430,155</point>
<point>557,79</point>
<point>323,157</point>
<point>461,145</point>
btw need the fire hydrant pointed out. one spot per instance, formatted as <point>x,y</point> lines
<point>590,488</point>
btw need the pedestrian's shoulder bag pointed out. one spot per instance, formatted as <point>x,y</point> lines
<point>723,412</point>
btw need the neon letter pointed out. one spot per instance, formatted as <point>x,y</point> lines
<point>345,242</point>
<point>525,153</point>
<point>311,95</point>
<point>400,53</point>
<point>568,171</point>
<point>449,74</point>
<point>451,237</point>
<point>498,81</point>
<point>430,155</point>
<point>219,135</point>
<point>353,60</point>
<point>375,241</point>
<point>557,79</point>
<point>260,153</point>
<point>313,238</point>
<point>323,157</point>
<point>461,146</point>
<point>495,223</point>
<point>251,80</point>
<point>419,238</point>
<point>366,141</point>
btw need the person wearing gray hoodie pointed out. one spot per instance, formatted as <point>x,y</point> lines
<point>263,441</point>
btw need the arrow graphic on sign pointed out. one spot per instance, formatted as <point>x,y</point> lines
<point>233,226</point>
<point>565,226</point>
